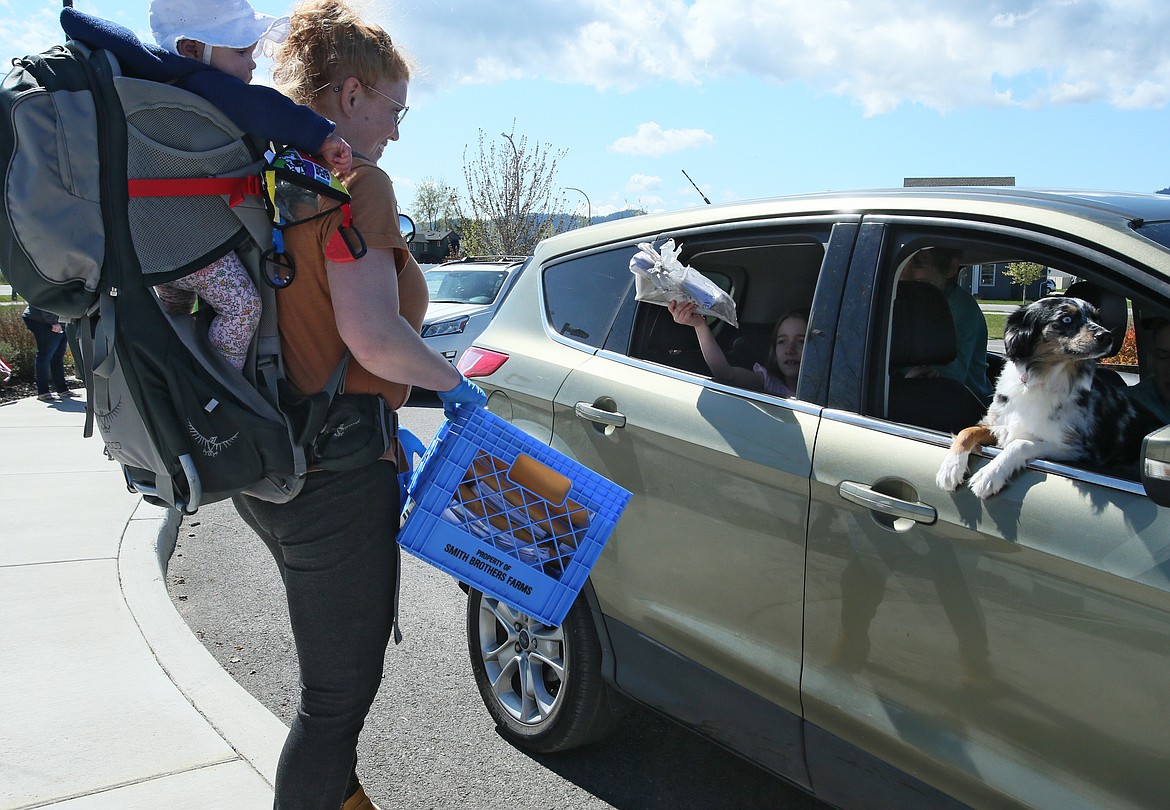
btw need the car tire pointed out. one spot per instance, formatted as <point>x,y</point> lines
<point>542,685</point>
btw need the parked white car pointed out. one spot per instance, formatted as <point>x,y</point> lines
<point>464,296</point>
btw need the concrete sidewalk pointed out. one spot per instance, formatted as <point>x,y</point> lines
<point>106,698</point>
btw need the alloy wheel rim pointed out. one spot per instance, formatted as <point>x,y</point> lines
<point>523,659</point>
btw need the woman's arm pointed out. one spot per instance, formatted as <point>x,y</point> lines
<point>713,354</point>
<point>365,306</point>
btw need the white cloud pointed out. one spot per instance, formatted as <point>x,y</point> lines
<point>1145,95</point>
<point>402,183</point>
<point>643,182</point>
<point>1074,92</point>
<point>31,32</point>
<point>879,53</point>
<point>1011,19</point>
<point>654,141</point>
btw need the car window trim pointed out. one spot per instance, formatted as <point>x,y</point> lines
<point>825,308</point>
<point>938,439</point>
<point>1125,271</point>
<point>826,219</point>
<point>681,375</point>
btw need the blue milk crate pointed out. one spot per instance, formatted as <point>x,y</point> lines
<point>508,515</point>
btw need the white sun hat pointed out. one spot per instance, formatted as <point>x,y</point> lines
<point>218,23</point>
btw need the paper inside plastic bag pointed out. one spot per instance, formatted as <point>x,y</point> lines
<point>659,278</point>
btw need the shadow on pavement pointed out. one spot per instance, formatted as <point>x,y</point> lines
<point>652,763</point>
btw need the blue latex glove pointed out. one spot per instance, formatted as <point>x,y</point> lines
<point>466,393</point>
<point>412,446</point>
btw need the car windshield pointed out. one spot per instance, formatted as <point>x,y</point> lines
<point>464,286</point>
<point>1157,231</point>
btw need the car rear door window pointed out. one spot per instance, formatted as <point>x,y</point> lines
<point>767,274</point>
<point>582,296</point>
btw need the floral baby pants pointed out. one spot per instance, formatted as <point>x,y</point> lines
<point>226,287</point>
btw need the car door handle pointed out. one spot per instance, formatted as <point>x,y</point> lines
<point>600,416</point>
<point>872,499</point>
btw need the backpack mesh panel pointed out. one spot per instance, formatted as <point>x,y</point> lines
<point>185,130</point>
<point>167,141</point>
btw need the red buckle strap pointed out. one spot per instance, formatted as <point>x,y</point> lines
<point>234,187</point>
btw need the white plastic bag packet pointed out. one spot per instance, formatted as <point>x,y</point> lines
<point>659,278</point>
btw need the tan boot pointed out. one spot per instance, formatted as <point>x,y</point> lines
<point>359,801</point>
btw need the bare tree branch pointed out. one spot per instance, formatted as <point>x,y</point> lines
<point>511,201</point>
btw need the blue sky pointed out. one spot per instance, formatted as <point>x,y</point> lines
<point>756,98</point>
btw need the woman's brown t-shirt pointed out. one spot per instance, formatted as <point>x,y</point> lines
<point>310,342</point>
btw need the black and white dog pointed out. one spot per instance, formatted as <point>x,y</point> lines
<point>1048,402</point>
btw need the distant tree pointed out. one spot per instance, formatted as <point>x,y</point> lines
<point>1025,273</point>
<point>434,204</point>
<point>511,201</point>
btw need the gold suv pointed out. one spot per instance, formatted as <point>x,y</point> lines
<point>788,579</point>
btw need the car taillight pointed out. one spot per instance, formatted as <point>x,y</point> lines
<point>477,362</point>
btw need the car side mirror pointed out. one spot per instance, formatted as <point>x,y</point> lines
<point>1156,466</point>
<point>406,225</point>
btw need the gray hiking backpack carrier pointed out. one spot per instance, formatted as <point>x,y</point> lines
<point>112,185</point>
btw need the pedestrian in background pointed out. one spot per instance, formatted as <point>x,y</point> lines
<point>49,362</point>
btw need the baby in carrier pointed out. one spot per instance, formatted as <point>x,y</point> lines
<point>207,47</point>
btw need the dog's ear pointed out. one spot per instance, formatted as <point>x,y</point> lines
<point>1019,334</point>
<point>1088,309</point>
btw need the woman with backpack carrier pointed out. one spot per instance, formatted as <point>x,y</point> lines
<point>335,541</point>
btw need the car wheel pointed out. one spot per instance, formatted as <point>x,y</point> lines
<point>542,685</point>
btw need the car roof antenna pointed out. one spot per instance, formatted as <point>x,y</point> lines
<point>701,194</point>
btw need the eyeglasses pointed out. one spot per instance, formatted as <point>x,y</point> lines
<point>400,113</point>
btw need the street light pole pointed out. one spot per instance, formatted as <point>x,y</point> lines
<point>516,163</point>
<point>588,205</point>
